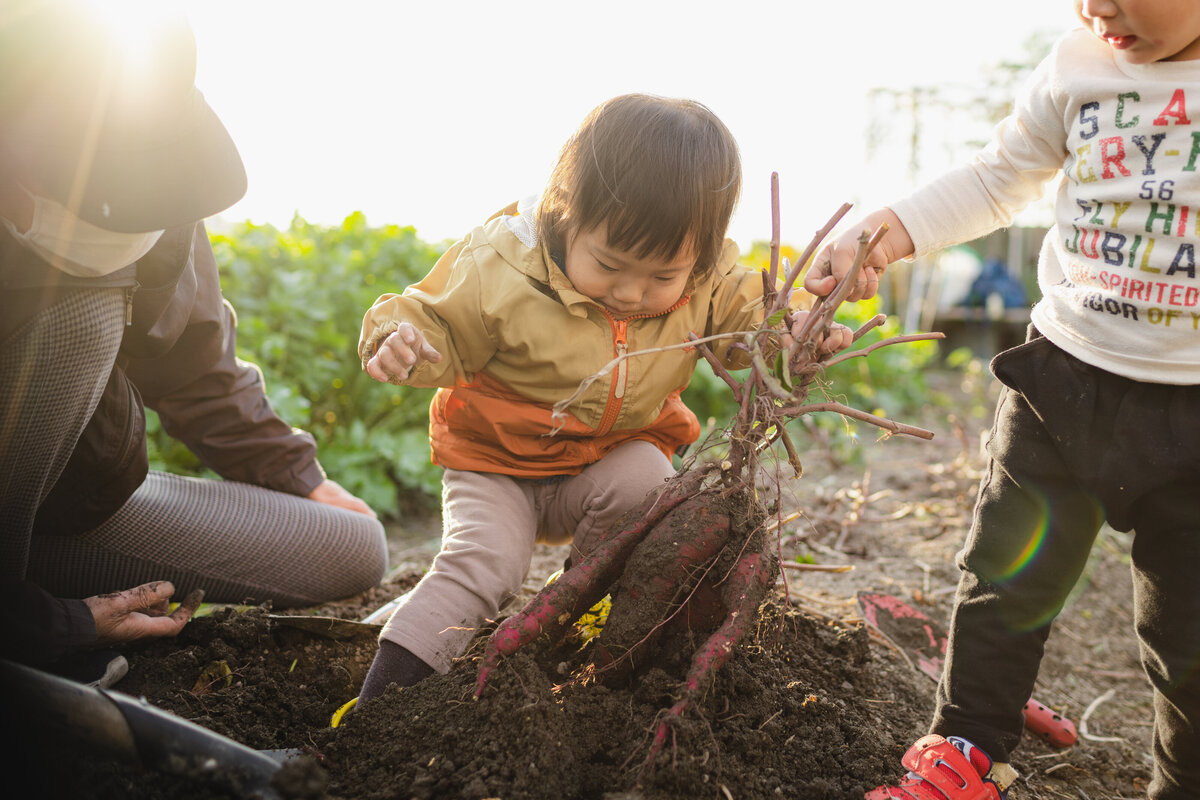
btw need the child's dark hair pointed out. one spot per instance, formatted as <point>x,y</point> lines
<point>661,173</point>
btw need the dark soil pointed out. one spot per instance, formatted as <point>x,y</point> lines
<point>813,705</point>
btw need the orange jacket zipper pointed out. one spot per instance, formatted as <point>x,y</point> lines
<point>616,392</point>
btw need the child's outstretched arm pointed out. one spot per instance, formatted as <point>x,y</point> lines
<point>836,259</point>
<point>402,350</point>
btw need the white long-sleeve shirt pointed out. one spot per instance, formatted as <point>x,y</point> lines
<point>1117,272</point>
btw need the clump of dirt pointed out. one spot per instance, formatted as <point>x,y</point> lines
<point>242,675</point>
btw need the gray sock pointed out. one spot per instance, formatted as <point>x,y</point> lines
<point>393,664</point>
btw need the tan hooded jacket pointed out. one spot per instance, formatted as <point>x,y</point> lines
<point>516,338</point>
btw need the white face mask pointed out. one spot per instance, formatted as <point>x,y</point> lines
<point>77,247</point>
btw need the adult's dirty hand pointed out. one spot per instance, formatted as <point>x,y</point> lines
<point>141,612</point>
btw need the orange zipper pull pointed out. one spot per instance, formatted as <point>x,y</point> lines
<point>621,342</point>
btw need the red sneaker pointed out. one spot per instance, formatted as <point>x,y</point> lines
<point>943,769</point>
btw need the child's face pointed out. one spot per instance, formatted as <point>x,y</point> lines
<point>1145,31</point>
<point>621,281</point>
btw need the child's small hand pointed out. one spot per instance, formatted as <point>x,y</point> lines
<point>838,338</point>
<point>838,257</point>
<point>402,350</point>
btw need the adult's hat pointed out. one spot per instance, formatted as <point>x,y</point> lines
<point>99,111</point>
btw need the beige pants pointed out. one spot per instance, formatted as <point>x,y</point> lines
<point>490,526</point>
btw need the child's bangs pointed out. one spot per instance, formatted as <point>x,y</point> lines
<point>663,229</point>
<point>657,229</point>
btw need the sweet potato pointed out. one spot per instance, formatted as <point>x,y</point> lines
<point>579,587</point>
<point>661,571</point>
<point>743,593</point>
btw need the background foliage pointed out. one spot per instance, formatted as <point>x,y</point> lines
<point>300,294</point>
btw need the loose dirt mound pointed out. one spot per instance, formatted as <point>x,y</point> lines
<point>809,709</point>
<point>796,714</point>
<point>813,707</point>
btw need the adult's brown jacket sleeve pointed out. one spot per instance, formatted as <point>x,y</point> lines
<point>181,355</point>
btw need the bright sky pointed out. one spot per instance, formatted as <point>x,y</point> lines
<point>436,114</point>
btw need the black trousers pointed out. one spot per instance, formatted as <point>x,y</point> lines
<point>1074,446</point>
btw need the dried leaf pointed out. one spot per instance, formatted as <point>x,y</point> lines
<point>211,675</point>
